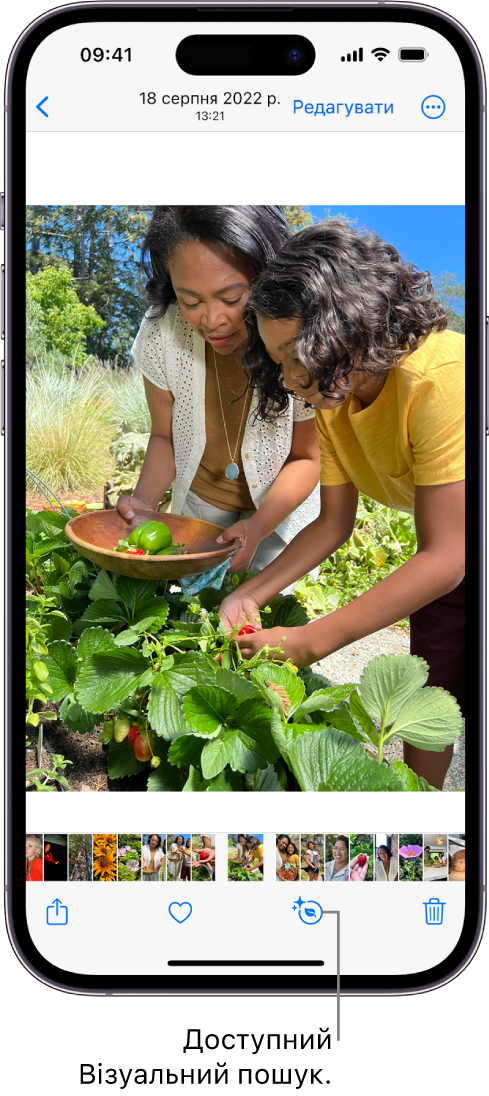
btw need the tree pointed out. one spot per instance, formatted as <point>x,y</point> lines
<point>451,295</point>
<point>101,246</point>
<point>58,315</point>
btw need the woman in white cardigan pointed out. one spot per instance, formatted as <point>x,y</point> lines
<point>258,480</point>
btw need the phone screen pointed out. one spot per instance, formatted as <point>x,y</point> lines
<point>245,309</point>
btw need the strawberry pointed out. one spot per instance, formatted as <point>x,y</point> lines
<point>218,659</point>
<point>247,630</point>
<point>142,748</point>
<point>133,734</point>
<point>136,552</point>
<point>204,855</point>
<point>121,728</point>
<point>362,859</point>
<point>155,761</point>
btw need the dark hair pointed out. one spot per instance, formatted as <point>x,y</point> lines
<point>356,299</point>
<point>341,837</point>
<point>388,851</point>
<point>150,835</point>
<point>188,842</point>
<point>253,842</point>
<point>281,835</point>
<point>177,835</point>
<point>294,846</point>
<point>255,233</point>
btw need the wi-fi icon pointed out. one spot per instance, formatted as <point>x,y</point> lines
<point>380,52</point>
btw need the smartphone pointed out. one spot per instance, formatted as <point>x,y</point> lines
<point>235,256</point>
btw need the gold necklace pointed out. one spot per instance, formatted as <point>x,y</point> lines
<point>231,470</point>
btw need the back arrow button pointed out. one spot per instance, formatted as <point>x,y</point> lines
<point>39,106</point>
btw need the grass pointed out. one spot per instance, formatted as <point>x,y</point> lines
<point>72,418</point>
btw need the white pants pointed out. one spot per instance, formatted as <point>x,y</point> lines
<point>268,549</point>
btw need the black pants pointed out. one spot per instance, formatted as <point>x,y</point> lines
<point>438,636</point>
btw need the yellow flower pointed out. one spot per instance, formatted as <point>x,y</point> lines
<point>104,857</point>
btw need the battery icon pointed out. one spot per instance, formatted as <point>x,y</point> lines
<point>412,54</point>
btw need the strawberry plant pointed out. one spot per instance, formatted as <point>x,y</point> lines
<point>176,698</point>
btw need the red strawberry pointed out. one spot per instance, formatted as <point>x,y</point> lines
<point>142,748</point>
<point>247,630</point>
<point>136,552</point>
<point>362,860</point>
<point>218,659</point>
<point>133,734</point>
<point>204,855</point>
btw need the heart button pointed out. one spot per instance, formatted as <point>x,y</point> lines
<point>180,911</point>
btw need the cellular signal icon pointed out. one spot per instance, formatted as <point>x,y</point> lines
<point>380,52</point>
<point>355,56</point>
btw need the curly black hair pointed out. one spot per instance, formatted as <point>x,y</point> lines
<point>255,233</point>
<point>357,301</point>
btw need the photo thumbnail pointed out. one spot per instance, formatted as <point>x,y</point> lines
<point>456,849</point>
<point>435,857</point>
<point>245,857</point>
<point>153,856</point>
<point>80,858</point>
<point>336,858</point>
<point>411,857</point>
<point>179,858</point>
<point>198,379</point>
<point>203,857</point>
<point>288,857</point>
<point>312,857</point>
<point>386,857</point>
<point>55,857</point>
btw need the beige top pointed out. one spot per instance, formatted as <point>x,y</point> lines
<point>210,482</point>
<point>380,872</point>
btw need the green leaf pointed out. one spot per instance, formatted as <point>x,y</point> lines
<point>284,678</point>
<point>76,718</point>
<point>195,782</point>
<point>279,733</point>
<point>429,720</point>
<point>239,686</point>
<point>290,614</point>
<point>388,681</point>
<point>134,592</point>
<point>344,721</point>
<point>207,708</point>
<point>165,778</point>
<point>225,782</point>
<point>62,664</point>
<point>104,612</point>
<point>412,782</point>
<point>244,757</point>
<point>103,588</point>
<point>94,639</point>
<point>183,674</point>
<point>57,627</point>
<point>324,700</point>
<point>267,780</point>
<point>359,712</point>
<point>151,615</point>
<point>216,754</point>
<point>313,681</point>
<point>329,760</point>
<point>185,751</point>
<point>164,712</point>
<point>254,718</point>
<point>127,638</point>
<point>122,761</point>
<point>41,671</point>
<point>108,677</point>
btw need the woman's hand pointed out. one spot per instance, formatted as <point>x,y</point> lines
<point>128,504</point>
<point>290,640</point>
<point>357,873</point>
<point>250,537</point>
<point>239,609</point>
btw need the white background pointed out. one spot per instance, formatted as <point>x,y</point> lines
<point>435,1042</point>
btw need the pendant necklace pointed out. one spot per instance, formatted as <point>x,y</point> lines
<point>231,470</point>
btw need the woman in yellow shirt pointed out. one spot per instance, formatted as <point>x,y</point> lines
<point>255,856</point>
<point>340,319</point>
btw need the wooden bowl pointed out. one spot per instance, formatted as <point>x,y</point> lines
<point>95,534</point>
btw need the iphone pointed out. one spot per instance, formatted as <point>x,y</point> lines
<point>235,318</point>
